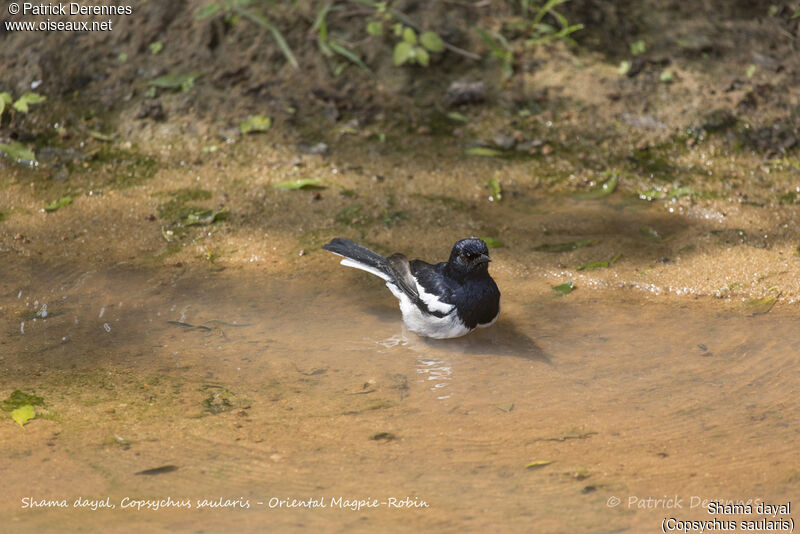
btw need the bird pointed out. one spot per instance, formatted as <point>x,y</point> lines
<point>441,301</point>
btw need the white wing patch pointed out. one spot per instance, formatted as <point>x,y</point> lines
<point>433,303</point>
<point>421,323</point>
<point>425,324</point>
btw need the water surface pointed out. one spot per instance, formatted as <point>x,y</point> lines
<point>307,388</point>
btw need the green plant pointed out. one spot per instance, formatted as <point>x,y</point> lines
<point>174,80</point>
<point>8,106</point>
<point>246,9</point>
<point>541,32</point>
<point>638,47</point>
<point>413,48</point>
<point>415,45</point>
<point>500,49</point>
<point>22,103</point>
<point>329,46</point>
<point>538,24</point>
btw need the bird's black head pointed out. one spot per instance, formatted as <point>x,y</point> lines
<point>470,257</point>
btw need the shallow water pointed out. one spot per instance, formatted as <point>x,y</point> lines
<point>301,387</point>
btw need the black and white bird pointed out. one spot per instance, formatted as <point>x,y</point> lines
<point>443,300</point>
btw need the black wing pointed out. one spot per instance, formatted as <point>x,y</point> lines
<point>477,300</point>
<point>407,281</point>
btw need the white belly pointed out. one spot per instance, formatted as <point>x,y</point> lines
<point>429,325</point>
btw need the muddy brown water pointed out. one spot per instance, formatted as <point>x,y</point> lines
<point>278,380</point>
<point>220,364</point>
<point>258,390</point>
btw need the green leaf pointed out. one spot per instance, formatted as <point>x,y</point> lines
<point>206,217</point>
<point>565,247</point>
<point>624,67</point>
<point>496,189</point>
<point>597,264</point>
<point>409,35</point>
<point>344,52</point>
<point>455,116</point>
<point>796,13</point>
<point>320,23</point>
<point>492,242</point>
<point>18,152</point>
<point>537,464</point>
<point>751,70</point>
<point>375,28</point>
<point>564,289</point>
<point>666,76</point>
<point>422,56</point>
<point>265,23</point>
<point>5,99</point>
<point>26,100</point>
<point>101,136</point>
<point>483,151</point>
<point>23,414</point>
<point>763,305</point>
<point>638,47</point>
<point>431,41</point>
<point>20,398</point>
<point>497,50</point>
<point>207,10</point>
<point>184,82</point>
<point>156,47</point>
<point>60,203</point>
<point>650,194</point>
<point>255,123</point>
<point>302,183</point>
<point>604,189</point>
<point>122,58</point>
<point>679,192</point>
<point>403,51</point>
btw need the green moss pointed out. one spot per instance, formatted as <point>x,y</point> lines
<point>653,161</point>
<point>176,208</point>
<point>119,168</point>
<point>351,215</point>
<point>187,194</point>
<point>18,399</point>
<point>449,202</point>
<point>219,399</point>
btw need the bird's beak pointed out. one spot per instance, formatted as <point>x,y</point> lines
<point>483,258</point>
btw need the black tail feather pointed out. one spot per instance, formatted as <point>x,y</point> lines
<point>354,251</point>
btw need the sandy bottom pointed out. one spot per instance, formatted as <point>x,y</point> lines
<point>257,390</point>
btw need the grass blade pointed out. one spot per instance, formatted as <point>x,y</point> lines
<point>262,21</point>
<point>342,51</point>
